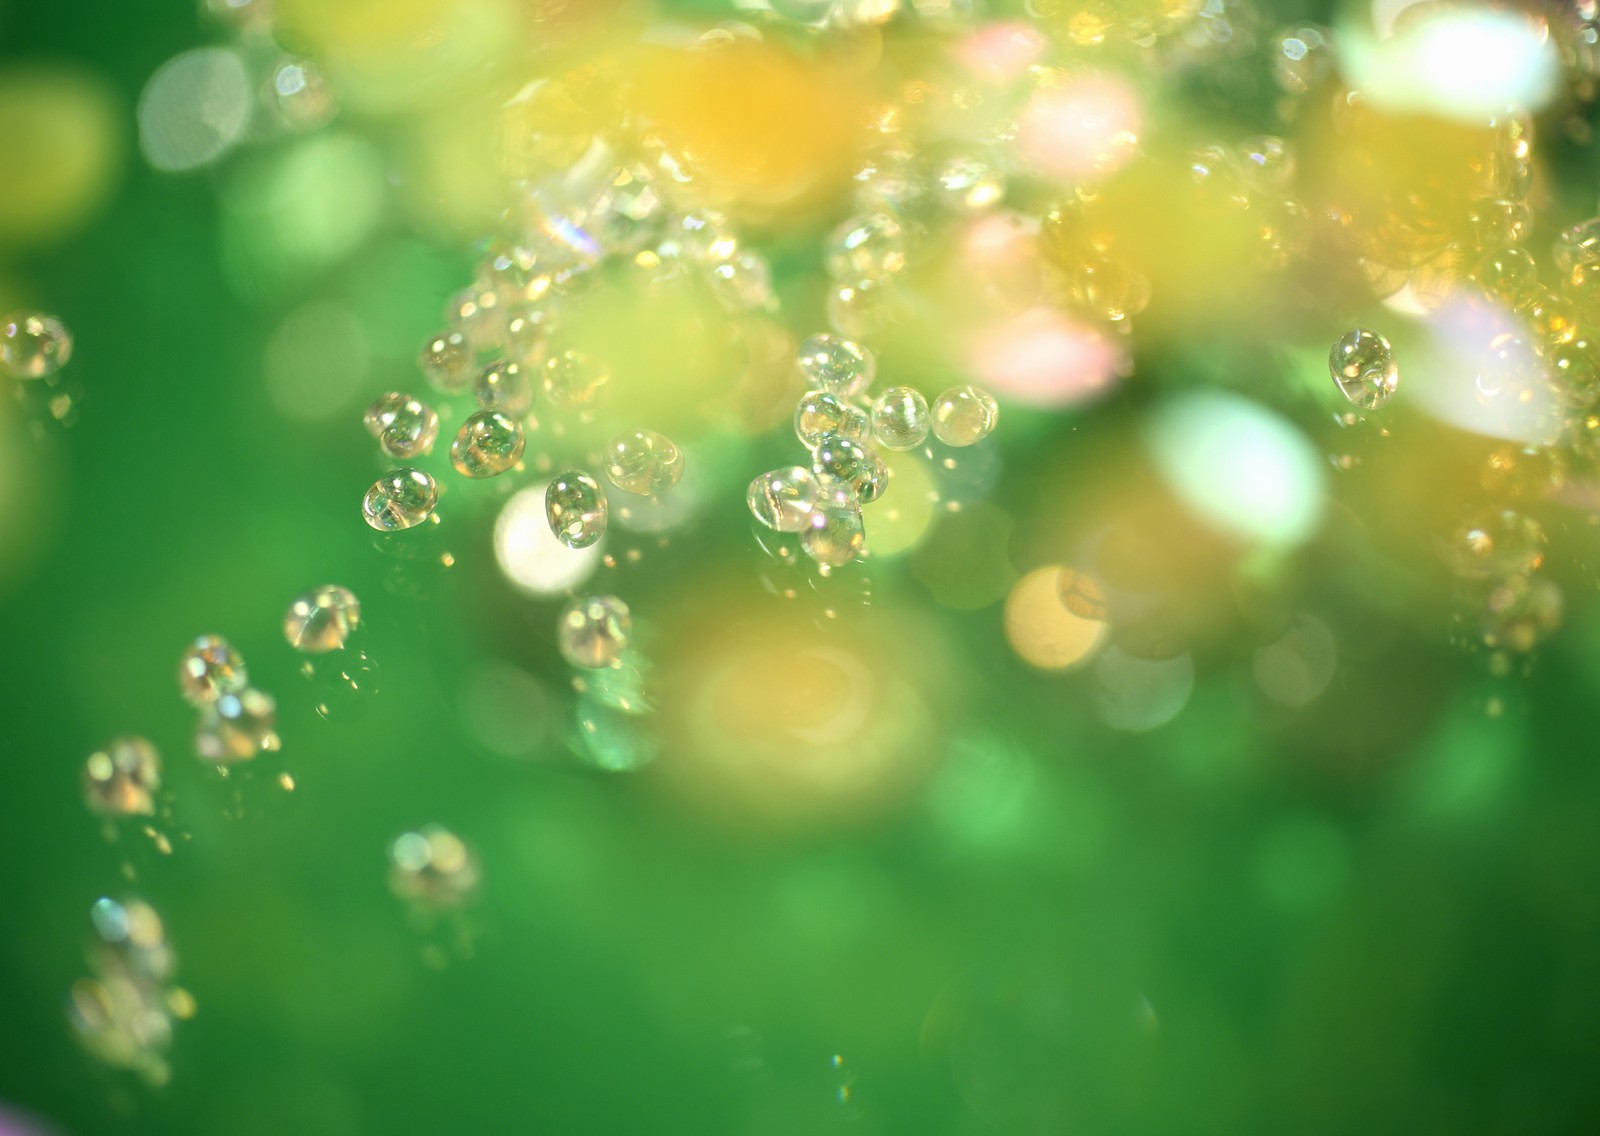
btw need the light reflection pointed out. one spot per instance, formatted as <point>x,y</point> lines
<point>529,553</point>
<point>1040,627</point>
<point>194,109</point>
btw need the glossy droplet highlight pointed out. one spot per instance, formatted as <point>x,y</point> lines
<point>487,445</point>
<point>322,620</point>
<point>852,464</point>
<point>782,498</point>
<point>838,366</point>
<point>34,345</point>
<point>209,669</point>
<point>404,426</point>
<point>900,419</point>
<point>122,779</point>
<point>400,499</point>
<point>575,506</point>
<point>643,462</point>
<point>1362,365</point>
<point>593,632</point>
<point>819,414</point>
<point>964,415</point>
<point>504,386</point>
<point>833,534</point>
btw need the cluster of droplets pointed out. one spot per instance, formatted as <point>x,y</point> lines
<point>236,721</point>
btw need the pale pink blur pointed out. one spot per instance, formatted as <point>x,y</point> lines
<point>1043,358</point>
<point>1000,53</point>
<point>1087,128</point>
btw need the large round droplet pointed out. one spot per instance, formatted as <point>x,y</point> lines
<point>122,779</point>
<point>643,462</point>
<point>236,727</point>
<point>405,427</point>
<point>322,620</point>
<point>838,366</point>
<point>446,360</point>
<point>1362,365</point>
<point>593,632</point>
<point>900,419</point>
<point>782,498</point>
<point>819,414</point>
<point>209,669</point>
<point>400,499</point>
<point>572,378</point>
<point>34,345</point>
<point>854,465</point>
<point>575,506</point>
<point>487,444</point>
<point>504,386</point>
<point>964,415</point>
<point>833,534</point>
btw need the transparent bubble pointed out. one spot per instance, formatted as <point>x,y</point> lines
<point>403,426</point>
<point>209,669</point>
<point>524,334</point>
<point>867,248</point>
<point>861,308</point>
<point>1508,276</point>
<point>572,378</point>
<point>900,419</point>
<point>1576,247</point>
<point>836,365</point>
<point>236,727</point>
<point>401,499</point>
<point>34,345</point>
<point>964,415</point>
<point>1574,370</point>
<point>1553,318</point>
<point>743,283</point>
<point>1496,544</point>
<point>819,414</point>
<point>833,534</point>
<point>782,498</point>
<point>1363,367</point>
<point>433,868</point>
<point>322,620</point>
<point>1495,224</point>
<point>643,462</point>
<point>1520,614</point>
<point>299,96</point>
<point>487,445</point>
<point>122,779</point>
<point>476,313</point>
<point>447,361</point>
<point>970,183</point>
<point>1302,58</point>
<point>504,386</point>
<point>593,632</point>
<point>840,459</point>
<point>575,506</point>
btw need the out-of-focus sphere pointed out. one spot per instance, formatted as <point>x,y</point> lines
<point>433,868</point>
<point>833,534</point>
<point>867,248</point>
<point>782,498</point>
<point>487,445</point>
<point>34,345</point>
<point>964,415</point>
<point>401,499</point>
<point>593,632</point>
<point>1493,544</point>
<point>572,378</point>
<point>900,419</point>
<point>643,462</point>
<point>1363,367</point>
<point>447,361</point>
<point>122,779</point>
<point>504,386</point>
<point>209,669</point>
<point>575,507</point>
<point>404,426</point>
<point>236,727</point>
<point>322,620</point>
<point>838,366</point>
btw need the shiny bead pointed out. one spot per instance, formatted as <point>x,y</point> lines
<point>446,361</point>
<point>782,498</point>
<point>400,499</point>
<point>209,669</point>
<point>1362,365</point>
<point>839,459</point>
<point>643,462</point>
<point>236,727</point>
<point>819,414</point>
<point>836,365</point>
<point>405,427</point>
<point>575,507</point>
<point>487,445</point>
<point>504,386</point>
<point>900,419</point>
<point>593,632</point>
<point>122,779</point>
<point>322,620</point>
<point>964,415</point>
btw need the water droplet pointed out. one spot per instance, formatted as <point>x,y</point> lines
<point>433,868</point>
<point>237,726</point>
<point>964,415</point>
<point>575,506</point>
<point>1362,365</point>
<point>405,427</point>
<point>209,669</point>
<point>122,779</point>
<point>593,632</point>
<point>867,248</point>
<point>1497,543</point>
<point>900,419</point>
<point>851,463</point>
<point>1574,370</point>
<point>572,378</point>
<point>833,534</point>
<point>524,334</point>
<point>400,499</point>
<point>743,283</point>
<point>322,620</point>
<point>782,498</point>
<point>838,366</point>
<point>504,386</point>
<point>487,445</point>
<point>819,414</point>
<point>33,344</point>
<point>446,361</point>
<point>643,462</point>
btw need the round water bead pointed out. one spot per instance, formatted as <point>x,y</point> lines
<point>572,378</point>
<point>575,506</point>
<point>593,632</point>
<point>833,534</point>
<point>900,419</point>
<point>34,345</point>
<point>1577,248</point>
<point>487,444</point>
<point>524,334</point>
<point>1574,370</point>
<point>237,726</point>
<point>446,361</point>
<point>819,414</point>
<point>1362,365</point>
<point>403,426</point>
<point>400,499</point>
<point>322,620</point>
<point>867,248</point>
<point>503,386</point>
<point>782,498</point>
<point>643,462</point>
<point>743,283</point>
<point>209,669</point>
<point>122,779</point>
<point>433,868</point>
<point>1508,276</point>
<point>836,365</point>
<point>1497,544</point>
<point>964,415</point>
<point>851,463</point>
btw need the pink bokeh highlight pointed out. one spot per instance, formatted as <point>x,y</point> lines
<point>1046,359</point>
<point>1087,128</point>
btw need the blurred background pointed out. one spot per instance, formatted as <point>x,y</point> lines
<point>1165,769</point>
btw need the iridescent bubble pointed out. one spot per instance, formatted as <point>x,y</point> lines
<point>833,534</point>
<point>403,426</point>
<point>122,779</point>
<point>209,669</point>
<point>504,386</point>
<point>400,499</point>
<point>782,498</point>
<point>236,727</point>
<point>1496,544</point>
<point>819,414</point>
<point>34,345</point>
<point>487,445</point>
<point>446,361</point>
<point>838,366</point>
<point>867,248</point>
<point>1362,365</point>
<point>433,868</point>
<point>322,620</point>
<point>575,506</point>
<point>593,632</point>
<point>571,378</point>
<point>900,419</point>
<point>964,415</point>
<point>840,459</point>
<point>643,462</point>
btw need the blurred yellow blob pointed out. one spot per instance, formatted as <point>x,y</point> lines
<point>1041,629</point>
<point>60,132</point>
